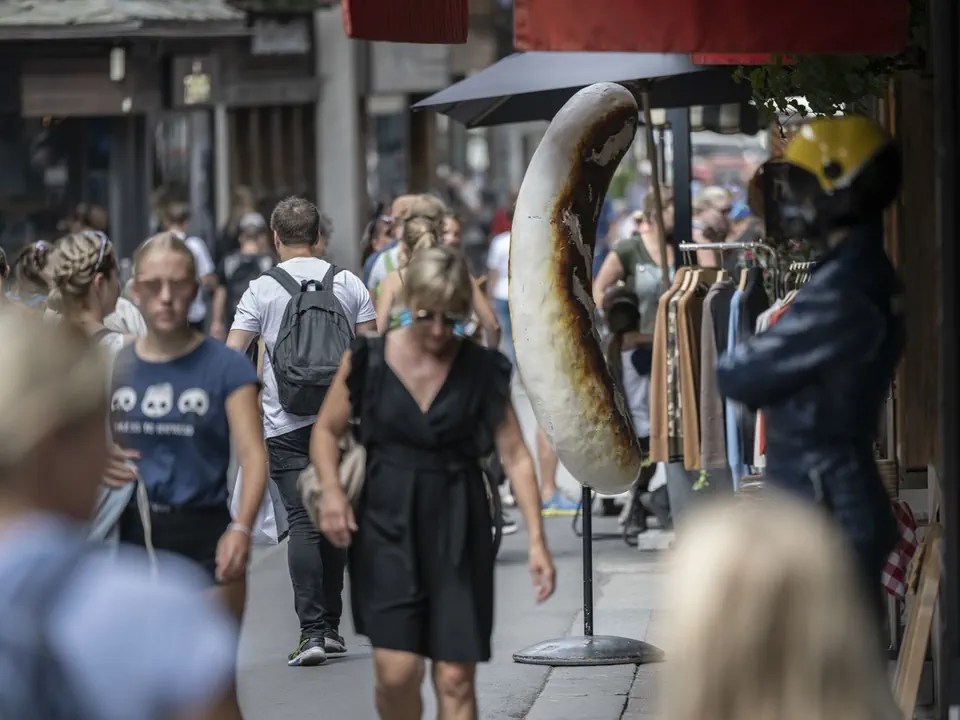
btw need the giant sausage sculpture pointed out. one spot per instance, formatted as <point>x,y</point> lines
<point>574,396</point>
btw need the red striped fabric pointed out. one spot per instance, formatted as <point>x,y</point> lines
<point>714,26</point>
<point>411,21</point>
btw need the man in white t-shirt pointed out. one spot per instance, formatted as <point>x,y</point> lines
<point>176,219</point>
<point>316,566</point>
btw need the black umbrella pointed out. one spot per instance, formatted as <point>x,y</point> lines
<point>535,85</point>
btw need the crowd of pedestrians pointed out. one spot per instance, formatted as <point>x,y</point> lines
<point>162,385</point>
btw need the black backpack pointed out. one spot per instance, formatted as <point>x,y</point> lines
<point>314,334</point>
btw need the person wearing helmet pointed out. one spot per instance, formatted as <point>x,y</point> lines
<point>821,374</point>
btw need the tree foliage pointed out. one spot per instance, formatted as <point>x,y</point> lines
<point>831,83</point>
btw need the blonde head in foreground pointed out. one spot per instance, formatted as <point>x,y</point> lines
<point>768,622</point>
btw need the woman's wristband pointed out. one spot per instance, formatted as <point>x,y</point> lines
<point>240,527</point>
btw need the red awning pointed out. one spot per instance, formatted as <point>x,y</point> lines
<point>712,26</point>
<point>412,21</point>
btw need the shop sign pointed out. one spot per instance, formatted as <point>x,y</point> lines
<point>409,68</point>
<point>196,81</point>
<point>280,37</point>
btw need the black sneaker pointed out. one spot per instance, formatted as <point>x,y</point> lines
<point>334,643</point>
<point>309,653</point>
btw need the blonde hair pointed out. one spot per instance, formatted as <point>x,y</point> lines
<point>53,377</point>
<point>437,278</point>
<point>163,241</point>
<point>76,260</point>
<point>423,223</point>
<point>769,622</point>
<point>712,197</point>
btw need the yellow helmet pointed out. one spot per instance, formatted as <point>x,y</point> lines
<point>839,172</point>
<point>835,149</point>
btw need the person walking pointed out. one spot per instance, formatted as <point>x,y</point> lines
<point>430,406</point>
<point>87,634</point>
<point>235,273</point>
<point>176,218</point>
<point>85,286</point>
<point>179,398</point>
<point>316,566</point>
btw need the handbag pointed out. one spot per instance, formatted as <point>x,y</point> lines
<point>353,455</point>
<point>353,473</point>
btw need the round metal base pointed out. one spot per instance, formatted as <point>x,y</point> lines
<point>589,651</point>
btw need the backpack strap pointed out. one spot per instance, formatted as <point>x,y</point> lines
<point>286,280</point>
<point>327,283</point>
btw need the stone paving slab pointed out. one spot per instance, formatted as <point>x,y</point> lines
<point>628,605</point>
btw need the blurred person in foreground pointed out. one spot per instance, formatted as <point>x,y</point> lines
<point>85,634</point>
<point>776,626</point>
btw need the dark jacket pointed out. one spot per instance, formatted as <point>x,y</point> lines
<point>821,373</point>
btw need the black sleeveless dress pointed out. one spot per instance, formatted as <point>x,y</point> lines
<point>421,563</point>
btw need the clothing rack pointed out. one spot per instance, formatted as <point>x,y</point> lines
<point>754,245</point>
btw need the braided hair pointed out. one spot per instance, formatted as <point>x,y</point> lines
<point>78,259</point>
<point>28,273</point>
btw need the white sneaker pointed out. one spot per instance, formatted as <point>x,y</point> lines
<point>506,497</point>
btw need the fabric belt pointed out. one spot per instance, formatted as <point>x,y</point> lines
<point>459,472</point>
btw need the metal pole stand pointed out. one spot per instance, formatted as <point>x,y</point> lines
<point>589,649</point>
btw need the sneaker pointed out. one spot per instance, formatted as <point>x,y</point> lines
<point>334,643</point>
<point>309,653</point>
<point>510,526</point>
<point>559,505</point>
<point>506,497</point>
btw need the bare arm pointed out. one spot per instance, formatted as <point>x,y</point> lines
<point>611,272</point>
<point>518,466</point>
<point>217,328</point>
<point>243,416</point>
<point>367,327</point>
<point>488,319</point>
<point>246,430</point>
<point>386,296</point>
<point>240,340</point>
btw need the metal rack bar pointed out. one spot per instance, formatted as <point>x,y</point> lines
<point>774,255</point>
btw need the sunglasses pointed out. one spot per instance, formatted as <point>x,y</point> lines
<point>178,288</point>
<point>429,316</point>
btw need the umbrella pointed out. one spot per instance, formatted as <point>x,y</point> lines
<point>535,85</point>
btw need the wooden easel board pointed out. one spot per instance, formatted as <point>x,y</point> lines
<point>916,639</point>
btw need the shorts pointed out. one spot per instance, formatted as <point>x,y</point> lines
<point>191,533</point>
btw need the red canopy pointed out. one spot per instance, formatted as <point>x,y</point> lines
<point>412,21</point>
<point>712,26</point>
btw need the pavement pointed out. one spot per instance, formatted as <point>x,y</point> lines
<point>626,589</point>
<point>627,586</point>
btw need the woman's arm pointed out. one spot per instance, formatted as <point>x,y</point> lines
<point>246,430</point>
<point>385,299</point>
<point>488,319</point>
<point>217,328</point>
<point>518,466</point>
<point>336,515</point>
<point>610,273</point>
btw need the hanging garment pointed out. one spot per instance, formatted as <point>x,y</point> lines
<point>659,443</point>
<point>731,415</point>
<point>894,576</point>
<point>674,397</point>
<point>690,316</point>
<point>714,327</point>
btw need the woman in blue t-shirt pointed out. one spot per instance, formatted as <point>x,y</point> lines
<point>178,399</point>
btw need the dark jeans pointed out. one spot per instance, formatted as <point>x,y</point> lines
<point>316,566</point>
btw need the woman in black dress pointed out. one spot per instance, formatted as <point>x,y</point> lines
<point>422,559</point>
